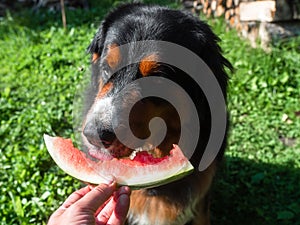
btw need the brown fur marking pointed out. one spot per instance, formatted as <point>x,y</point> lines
<point>113,57</point>
<point>95,56</point>
<point>148,64</point>
<point>103,91</point>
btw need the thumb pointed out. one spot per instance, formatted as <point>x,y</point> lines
<point>96,197</point>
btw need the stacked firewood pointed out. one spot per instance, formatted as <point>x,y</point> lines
<point>263,19</point>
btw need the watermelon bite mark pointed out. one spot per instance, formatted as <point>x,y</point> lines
<point>141,156</point>
<point>145,157</point>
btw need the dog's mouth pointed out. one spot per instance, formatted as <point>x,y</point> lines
<point>116,150</point>
<point>105,144</point>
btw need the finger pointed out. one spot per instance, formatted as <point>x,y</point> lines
<point>75,196</point>
<point>119,214</point>
<point>123,190</point>
<point>96,197</point>
<point>105,213</point>
<point>103,205</point>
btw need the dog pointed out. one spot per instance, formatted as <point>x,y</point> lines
<point>185,201</point>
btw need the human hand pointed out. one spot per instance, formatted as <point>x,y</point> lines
<point>98,205</point>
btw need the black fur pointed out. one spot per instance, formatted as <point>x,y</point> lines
<point>137,22</point>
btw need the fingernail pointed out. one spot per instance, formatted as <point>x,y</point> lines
<point>92,186</point>
<point>109,180</point>
<point>124,190</point>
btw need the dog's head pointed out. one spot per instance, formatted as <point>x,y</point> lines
<point>115,70</point>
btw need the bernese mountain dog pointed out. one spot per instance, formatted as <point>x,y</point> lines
<point>185,201</point>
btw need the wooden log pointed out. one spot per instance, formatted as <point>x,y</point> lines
<point>257,11</point>
<point>269,32</point>
<point>217,8</point>
<point>220,10</point>
<point>229,4</point>
<point>264,20</point>
<point>213,5</point>
<point>270,10</point>
<point>236,3</point>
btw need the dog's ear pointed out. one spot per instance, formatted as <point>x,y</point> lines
<point>97,44</point>
<point>207,47</point>
<point>205,43</point>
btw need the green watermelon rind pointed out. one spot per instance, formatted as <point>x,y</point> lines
<point>168,180</point>
<point>93,177</point>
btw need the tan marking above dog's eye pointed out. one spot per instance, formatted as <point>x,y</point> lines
<point>104,90</point>
<point>113,57</point>
<point>148,64</point>
<point>95,56</point>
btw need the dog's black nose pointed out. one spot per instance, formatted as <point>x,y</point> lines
<point>91,134</point>
<point>106,136</point>
<point>97,136</point>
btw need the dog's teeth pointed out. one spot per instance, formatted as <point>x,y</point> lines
<point>149,147</point>
<point>145,147</point>
<point>132,155</point>
<point>139,149</point>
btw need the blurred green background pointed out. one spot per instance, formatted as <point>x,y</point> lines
<point>41,67</point>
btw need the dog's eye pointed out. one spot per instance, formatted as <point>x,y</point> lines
<point>105,73</point>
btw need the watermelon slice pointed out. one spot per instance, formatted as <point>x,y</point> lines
<point>141,171</point>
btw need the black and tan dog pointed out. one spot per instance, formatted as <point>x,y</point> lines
<point>185,201</point>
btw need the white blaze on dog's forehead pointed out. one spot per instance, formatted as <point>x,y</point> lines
<point>102,104</point>
<point>103,108</point>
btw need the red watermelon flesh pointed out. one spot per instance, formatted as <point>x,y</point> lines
<point>141,171</point>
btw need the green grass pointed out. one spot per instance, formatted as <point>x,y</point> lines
<point>260,180</point>
<point>41,67</point>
